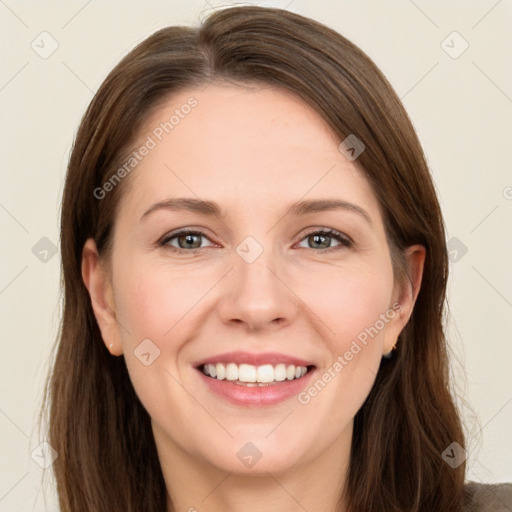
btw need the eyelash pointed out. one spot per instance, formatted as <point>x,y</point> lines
<point>330,233</point>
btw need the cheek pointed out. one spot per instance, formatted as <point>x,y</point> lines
<point>155,304</point>
<point>152,300</point>
<point>351,303</point>
<point>348,300</point>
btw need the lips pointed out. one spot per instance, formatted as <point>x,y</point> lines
<point>251,391</point>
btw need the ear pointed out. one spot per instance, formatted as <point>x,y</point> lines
<point>97,282</point>
<point>405,298</point>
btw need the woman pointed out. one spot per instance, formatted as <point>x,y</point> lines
<point>254,267</point>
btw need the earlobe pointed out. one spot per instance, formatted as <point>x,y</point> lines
<point>98,284</point>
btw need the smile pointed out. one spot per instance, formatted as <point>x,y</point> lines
<point>251,376</point>
<point>254,379</point>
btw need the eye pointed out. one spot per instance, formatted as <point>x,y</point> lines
<point>190,240</point>
<point>322,239</point>
<point>186,240</point>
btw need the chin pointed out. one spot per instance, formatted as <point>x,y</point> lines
<point>256,457</point>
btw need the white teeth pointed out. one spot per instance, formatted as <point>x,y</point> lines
<point>280,372</point>
<point>247,373</point>
<point>221,371</point>
<point>265,373</point>
<point>232,371</point>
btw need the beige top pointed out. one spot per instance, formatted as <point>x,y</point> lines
<point>488,497</point>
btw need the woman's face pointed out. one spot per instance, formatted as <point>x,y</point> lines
<point>262,288</point>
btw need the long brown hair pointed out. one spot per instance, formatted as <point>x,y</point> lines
<point>107,459</point>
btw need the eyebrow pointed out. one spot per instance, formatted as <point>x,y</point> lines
<point>211,208</point>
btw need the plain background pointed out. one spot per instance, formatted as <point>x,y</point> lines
<point>461,108</point>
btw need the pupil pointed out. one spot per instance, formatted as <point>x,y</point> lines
<point>317,237</point>
<point>188,239</point>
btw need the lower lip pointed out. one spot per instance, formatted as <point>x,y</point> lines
<point>258,395</point>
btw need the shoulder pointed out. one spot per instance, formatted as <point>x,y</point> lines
<point>488,497</point>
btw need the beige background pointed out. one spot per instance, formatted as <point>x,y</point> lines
<point>461,107</point>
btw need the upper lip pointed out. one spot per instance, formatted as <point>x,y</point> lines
<point>255,359</point>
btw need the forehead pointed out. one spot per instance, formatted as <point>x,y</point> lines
<point>239,145</point>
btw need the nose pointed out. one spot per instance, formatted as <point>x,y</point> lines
<point>257,294</point>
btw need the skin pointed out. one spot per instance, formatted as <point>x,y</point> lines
<point>254,151</point>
